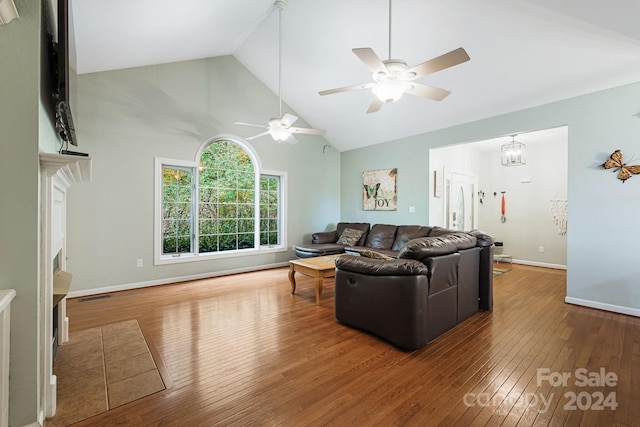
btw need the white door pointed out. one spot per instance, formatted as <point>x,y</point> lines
<point>462,209</point>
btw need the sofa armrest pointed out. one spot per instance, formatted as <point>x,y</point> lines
<point>483,239</point>
<point>324,237</point>
<point>378,267</point>
<point>426,247</point>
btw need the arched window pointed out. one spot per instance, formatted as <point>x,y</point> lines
<point>226,198</point>
<point>221,204</point>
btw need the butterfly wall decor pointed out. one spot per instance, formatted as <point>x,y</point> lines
<point>616,162</point>
<point>372,191</point>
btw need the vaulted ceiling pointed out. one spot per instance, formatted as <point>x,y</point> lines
<point>523,53</point>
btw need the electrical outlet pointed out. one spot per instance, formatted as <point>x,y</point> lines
<point>412,209</point>
<point>540,249</point>
<point>139,262</point>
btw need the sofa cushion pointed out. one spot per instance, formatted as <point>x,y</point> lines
<point>381,236</point>
<point>441,231</point>
<point>409,232</point>
<point>364,226</point>
<point>376,267</point>
<point>350,236</point>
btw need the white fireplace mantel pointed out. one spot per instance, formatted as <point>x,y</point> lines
<point>70,169</point>
<point>58,173</point>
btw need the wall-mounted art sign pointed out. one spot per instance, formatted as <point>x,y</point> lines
<point>379,190</point>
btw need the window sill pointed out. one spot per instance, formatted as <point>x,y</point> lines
<point>165,260</point>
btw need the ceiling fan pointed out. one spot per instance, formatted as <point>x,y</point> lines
<point>280,127</point>
<point>393,77</point>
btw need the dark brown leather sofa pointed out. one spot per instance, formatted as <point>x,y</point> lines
<point>436,279</point>
<point>383,238</point>
<point>434,284</point>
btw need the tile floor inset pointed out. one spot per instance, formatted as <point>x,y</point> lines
<point>134,388</point>
<point>121,369</point>
<point>102,368</point>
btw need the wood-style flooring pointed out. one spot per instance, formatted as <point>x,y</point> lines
<point>241,350</point>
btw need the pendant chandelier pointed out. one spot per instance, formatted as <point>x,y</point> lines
<point>514,153</point>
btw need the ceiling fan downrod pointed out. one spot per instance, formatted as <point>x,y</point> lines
<point>389,29</point>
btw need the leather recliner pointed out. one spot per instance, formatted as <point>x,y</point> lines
<point>435,283</point>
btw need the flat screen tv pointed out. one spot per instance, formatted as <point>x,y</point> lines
<point>59,61</point>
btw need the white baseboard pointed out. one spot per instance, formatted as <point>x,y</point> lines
<point>603,306</point>
<point>127,286</point>
<point>540,264</point>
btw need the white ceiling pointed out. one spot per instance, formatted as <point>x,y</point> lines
<point>523,52</point>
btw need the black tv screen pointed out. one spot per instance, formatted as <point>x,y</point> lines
<point>59,58</point>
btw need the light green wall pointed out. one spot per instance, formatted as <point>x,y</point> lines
<point>602,221</point>
<point>25,128</point>
<point>128,117</point>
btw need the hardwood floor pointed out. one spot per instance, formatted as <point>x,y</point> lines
<point>240,350</point>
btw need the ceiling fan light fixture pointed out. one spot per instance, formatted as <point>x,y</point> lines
<point>390,90</point>
<point>280,134</point>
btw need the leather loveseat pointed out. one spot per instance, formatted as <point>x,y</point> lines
<point>435,283</point>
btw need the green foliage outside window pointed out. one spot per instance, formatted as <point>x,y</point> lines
<point>176,210</point>
<point>225,213</point>
<point>269,205</point>
<point>227,198</point>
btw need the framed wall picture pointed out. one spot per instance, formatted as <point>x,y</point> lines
<point>379,190</point>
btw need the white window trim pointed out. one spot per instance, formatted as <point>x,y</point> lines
<point>283,211</point>
<point>159,259</point>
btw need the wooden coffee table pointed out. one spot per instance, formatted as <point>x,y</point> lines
<point>317,267</point>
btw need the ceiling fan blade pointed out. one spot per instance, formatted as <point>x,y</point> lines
<point>347,88</point>
<point>455,57</point>
<point>370,59</point>
<point>251,124</point>
<point>288,119</point>
<point>430,92</point>
<point>257,136</point>
<point>376,105</point>
<point>308,131</point>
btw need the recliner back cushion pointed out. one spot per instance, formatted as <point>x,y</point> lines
<point>409,232</point>
<point>440,231</point>
<point>461,239</point>
<point>381,236</point>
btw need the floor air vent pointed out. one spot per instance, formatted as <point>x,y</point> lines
<point>96,297</point>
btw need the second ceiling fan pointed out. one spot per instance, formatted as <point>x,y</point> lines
<point>393,77</point>
<point>280,127</point>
